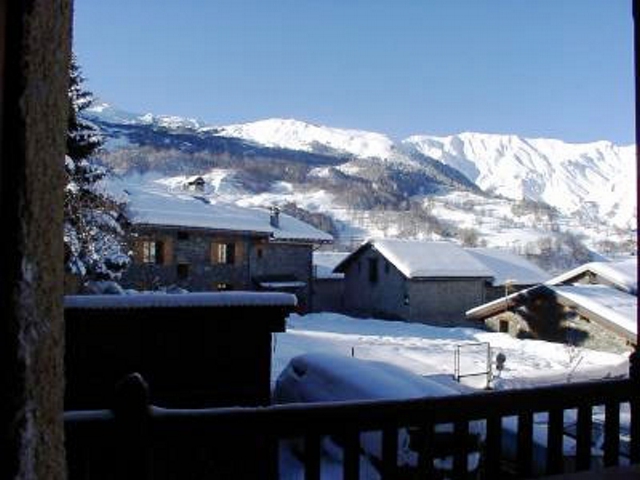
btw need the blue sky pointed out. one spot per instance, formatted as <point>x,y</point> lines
<point>543,68</point>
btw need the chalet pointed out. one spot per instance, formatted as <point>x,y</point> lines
<point>432,282</point>
<point>328,286</point>
<point>594,305</point>
<point>203,245</point>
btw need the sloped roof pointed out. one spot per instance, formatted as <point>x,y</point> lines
<point>155,204</point>
<point>508,266</point>
<point>606,305</point>
<point>325,262</point>
<point>422,259</point>
<point>623,274</point>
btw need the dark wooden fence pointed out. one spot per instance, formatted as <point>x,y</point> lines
<point>137,440</point>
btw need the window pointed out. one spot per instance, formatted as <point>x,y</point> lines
<point>259,253</point>
<point>183,271</point>
<point>223,253</point>
<point>504,326</point>
<point>152,252</point>
<point>183,235</point>
<point>223,286</point>
<point>373,270</point>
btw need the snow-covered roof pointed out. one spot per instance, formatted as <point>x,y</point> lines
<point>623,274</point>
<point>606,305</point>
<point>422,259</point>
<point>153,203</point>
<point>325,262</point>
<point>506,267</point>
<point>610,306</point>
<point>180,300</point>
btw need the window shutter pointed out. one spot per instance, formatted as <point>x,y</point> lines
<point>239,251</point>
<point>137,251</point>
<point>231,253</point>
<point>213,251</point>
<point>159,252</point>
<point>167,251</point>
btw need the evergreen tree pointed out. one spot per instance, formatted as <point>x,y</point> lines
<point>95,224</point>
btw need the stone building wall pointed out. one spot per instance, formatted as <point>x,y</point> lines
<point>383,298</point>
<point>285,260</point>
<point>187,263</point>
<point>577,331</point>
<point>190,256</point>
<point>444,301</point>
<point>438,301</point>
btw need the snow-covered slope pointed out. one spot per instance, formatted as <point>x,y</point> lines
<point>297,135</point>
<point>591,178</point>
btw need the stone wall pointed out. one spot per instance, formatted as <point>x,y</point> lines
<point>579,331</point>
<point>444,301</point>
<point>194,251</point>
<point>255,258</point>
<point>285,260</point>
<point>383,298</point>
<point>440,301</point>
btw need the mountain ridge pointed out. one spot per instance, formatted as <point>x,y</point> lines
<point>592,178</point>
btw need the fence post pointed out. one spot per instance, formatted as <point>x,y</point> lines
<point>131,411</point>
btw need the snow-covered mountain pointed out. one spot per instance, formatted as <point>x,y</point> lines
<point>589,178</point>
<point>595,181</point>
<point>297,135</point>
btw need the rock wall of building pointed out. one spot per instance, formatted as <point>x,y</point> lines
<point>441,301</point>
<point>444,301</point>
<point>384,298</point>
<point>187,263</point>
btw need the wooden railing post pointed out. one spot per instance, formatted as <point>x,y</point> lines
<point>131,411</point>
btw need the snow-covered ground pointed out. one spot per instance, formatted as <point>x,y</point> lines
<point>428,350</point>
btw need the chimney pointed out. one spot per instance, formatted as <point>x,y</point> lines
<point>274,218</point>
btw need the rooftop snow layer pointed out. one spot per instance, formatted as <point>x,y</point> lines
<point>325,262</point>
<point>420,259</point>
<point>180,300</point>
<point>609,303</point>
<point>622,273</point>
<point>507,266</point>
<point>153,203</point>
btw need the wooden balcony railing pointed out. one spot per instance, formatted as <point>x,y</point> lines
<point>137,440</point>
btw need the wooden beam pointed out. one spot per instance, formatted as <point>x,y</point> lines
<point>35,42</point>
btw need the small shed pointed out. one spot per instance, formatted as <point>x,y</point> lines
<point>195,350</point>
<point>421,281</point>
